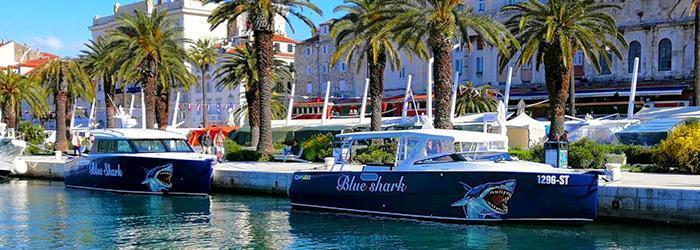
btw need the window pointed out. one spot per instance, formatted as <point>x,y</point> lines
<point>113,146</point>
<point>341,67</point>
<point>482,6</point>
<point>324,29</point>
<point>177,146</point>
<point>149,146</point>
<point>665,55</point>
<point>635,50</point>
<point>307,51</point>
<point>309,88</point>
<point>290,48</point>
<point>341,85</point>
<point>402,73</point>
<point>479,65</point>
<point>578,58</point>
<point>458,66</point>
<point>460,7</point>
<point>309,69</point>
<point>511,2</point>
<point>276,47</point>
<point>325,49</point>
<point>604,65</point>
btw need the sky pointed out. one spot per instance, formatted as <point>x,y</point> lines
<point>61,26</point>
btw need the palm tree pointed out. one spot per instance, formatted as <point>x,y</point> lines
<point>15,89</point>
<point>203,54</point>
<point>64,78</point>
<point>358,32</point>
<point>144,43</point>
<point>241,68</point>
<point>172,73</point>
<point>441,23</point>
<point>261,14</point>
<point>472,99</point>
<point>695,5</point>
<point>101,65</point>
<point>552,33</point>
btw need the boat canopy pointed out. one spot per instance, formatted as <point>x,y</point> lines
<point>436,134</point>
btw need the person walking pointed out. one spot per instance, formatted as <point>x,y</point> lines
<point>206,143</point>
<point>219,139</point>
<point>75,140</point>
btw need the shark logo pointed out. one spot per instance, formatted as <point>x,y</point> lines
<point>159,178</point>
<point>486,201</point>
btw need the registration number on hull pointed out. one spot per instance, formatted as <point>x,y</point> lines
<point>553,179</point>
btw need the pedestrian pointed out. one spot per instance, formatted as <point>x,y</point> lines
<point>565,136</point>
<point>206,143</point>
<point>75,140</point>
<point>219,145</point>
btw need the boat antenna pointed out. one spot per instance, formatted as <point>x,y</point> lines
<point>143,110</point>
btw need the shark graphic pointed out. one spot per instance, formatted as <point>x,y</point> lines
<point>486,201</point>
<point>159,179</point>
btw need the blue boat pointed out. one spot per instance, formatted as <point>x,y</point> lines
<point>141,161</point>
<point>447,175</point>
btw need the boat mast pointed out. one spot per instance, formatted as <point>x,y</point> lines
<point>363,108</point>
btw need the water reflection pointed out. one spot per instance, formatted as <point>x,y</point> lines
<point>41,214</point>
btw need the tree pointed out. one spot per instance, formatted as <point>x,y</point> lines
<point>101,65</point>
<point>241,68</point>
<point>472,99</point>
<point>441,23</point>
<point>358,32</point>
<point>145,44</point>
<point>261,14</point>
<point>15,89</point>
<point>203,55</point>
<point>172,74</point>
<point>63,77</point>
<point>552,33</point>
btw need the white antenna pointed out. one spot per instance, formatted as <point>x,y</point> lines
<point>429,103</point>
<point>363,107</point>
<point>131,106</point>
<point>509,80</point>
<point>143,110</point>
<point>633,90</point>
<point>177,102</point>
<point>324,116</point>
<point>290,107</point>
<point>72,116</point>
<point>404,112</point>
<point>453,107</point>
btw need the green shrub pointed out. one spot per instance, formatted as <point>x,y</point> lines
<point>235,152</point>
<point>681,150</point>
<point>32,134</point>
<point>377,153</point>
<point>535,154</point>
<point>318,147</point>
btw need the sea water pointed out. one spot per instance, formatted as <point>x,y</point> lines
<point>42,214</point>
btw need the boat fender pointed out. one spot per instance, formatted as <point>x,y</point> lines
<point>19,167</point>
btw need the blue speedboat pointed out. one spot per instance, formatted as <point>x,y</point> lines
<point>446,175</point>
<point>141,161</point>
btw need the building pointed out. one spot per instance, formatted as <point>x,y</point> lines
<point>659,32</point>
<point>20,58</point>
<point>191,16</point>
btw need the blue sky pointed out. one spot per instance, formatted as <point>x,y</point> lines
<point>61,26</point>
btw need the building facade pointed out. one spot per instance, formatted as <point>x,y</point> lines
<point>191,17</point>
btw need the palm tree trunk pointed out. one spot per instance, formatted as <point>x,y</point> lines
<point>151,92</point>
<point>263,50</point>
<point>253,101</point>
<point>441,46</point>
<point>557,77</point>
<point>61,138</point>
<point>70,103</point>
<point>9,113</point>
<point>111,111</point>
<point>205,110</point>
<point>696,92</point>
<point>376,89</point>
<point>162,107</point>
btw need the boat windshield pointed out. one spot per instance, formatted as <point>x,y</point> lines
<point>460,157</point>
<point>175,145</point>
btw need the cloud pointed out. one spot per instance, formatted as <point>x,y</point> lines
<point>49,42</point>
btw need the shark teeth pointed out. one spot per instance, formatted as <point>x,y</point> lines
<point>497,199</point>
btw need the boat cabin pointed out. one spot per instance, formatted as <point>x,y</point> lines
<point>424,146</point>
<point>126,141</point>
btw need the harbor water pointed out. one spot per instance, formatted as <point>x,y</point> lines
<point>42,214</point>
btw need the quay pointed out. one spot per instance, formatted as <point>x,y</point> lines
<point>659,198</point>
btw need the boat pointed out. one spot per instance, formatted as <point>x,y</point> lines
<point>10,149</point>
<point>469,178</point>
<point>141,161</point>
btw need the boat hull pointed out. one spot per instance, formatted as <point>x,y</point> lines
<point>450,196</point>
<point>141,175</point>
